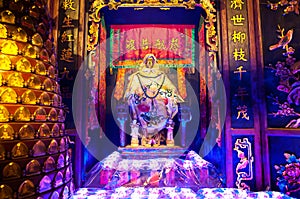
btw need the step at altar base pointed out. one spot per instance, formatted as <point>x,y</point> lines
<point>141,152</point>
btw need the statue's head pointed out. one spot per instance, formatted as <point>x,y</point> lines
<point>149,60</point>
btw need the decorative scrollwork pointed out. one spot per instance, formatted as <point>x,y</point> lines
<point>211,34</point>
<point>244,169</point>
<point>95,10</point>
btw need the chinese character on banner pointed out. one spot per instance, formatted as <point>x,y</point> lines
<point>174,44</point>
<point>238,37</point>
<point>240,71</point>
<point>130,44</point>
<point>237,4</point>
<point>65,74</point>
<point>68,4</point>
<point>239,55</point>
<point>145,44</point>
<point>242,113</point>
<point>65,37</point>
<point>160,44</point>
<point>241,92</point>
<point>67,55</point>
<point>68,22</point>
<point>238,20</point>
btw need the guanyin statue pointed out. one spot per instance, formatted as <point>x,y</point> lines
<point>153,101</point>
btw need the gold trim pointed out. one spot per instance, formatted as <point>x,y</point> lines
<point>113,5</point>
<point>95,10</point>
<point>210,21</point>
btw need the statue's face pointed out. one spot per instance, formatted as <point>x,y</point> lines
<point>150,62</point>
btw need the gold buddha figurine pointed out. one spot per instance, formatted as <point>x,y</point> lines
<point>152,99</point>
<point>4,114</point>
<point>6,132</point>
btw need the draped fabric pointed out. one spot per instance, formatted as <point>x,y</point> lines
<point>172,45</point>
<point>203,77</point>
<point>102,82</point>
<point>120,83</point>
<point>98,87</point>
<point>181,82</point>
<point>116,171</point>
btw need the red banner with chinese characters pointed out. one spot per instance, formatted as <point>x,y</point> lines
<point>173,45</point>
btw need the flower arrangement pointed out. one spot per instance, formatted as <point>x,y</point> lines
<point>288,180</point>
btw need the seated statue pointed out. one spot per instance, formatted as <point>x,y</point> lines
<point>153,102</point>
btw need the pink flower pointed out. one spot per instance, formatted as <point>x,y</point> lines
<point>292,173</point>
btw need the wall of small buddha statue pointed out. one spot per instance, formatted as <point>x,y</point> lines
<point>35,159</point>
